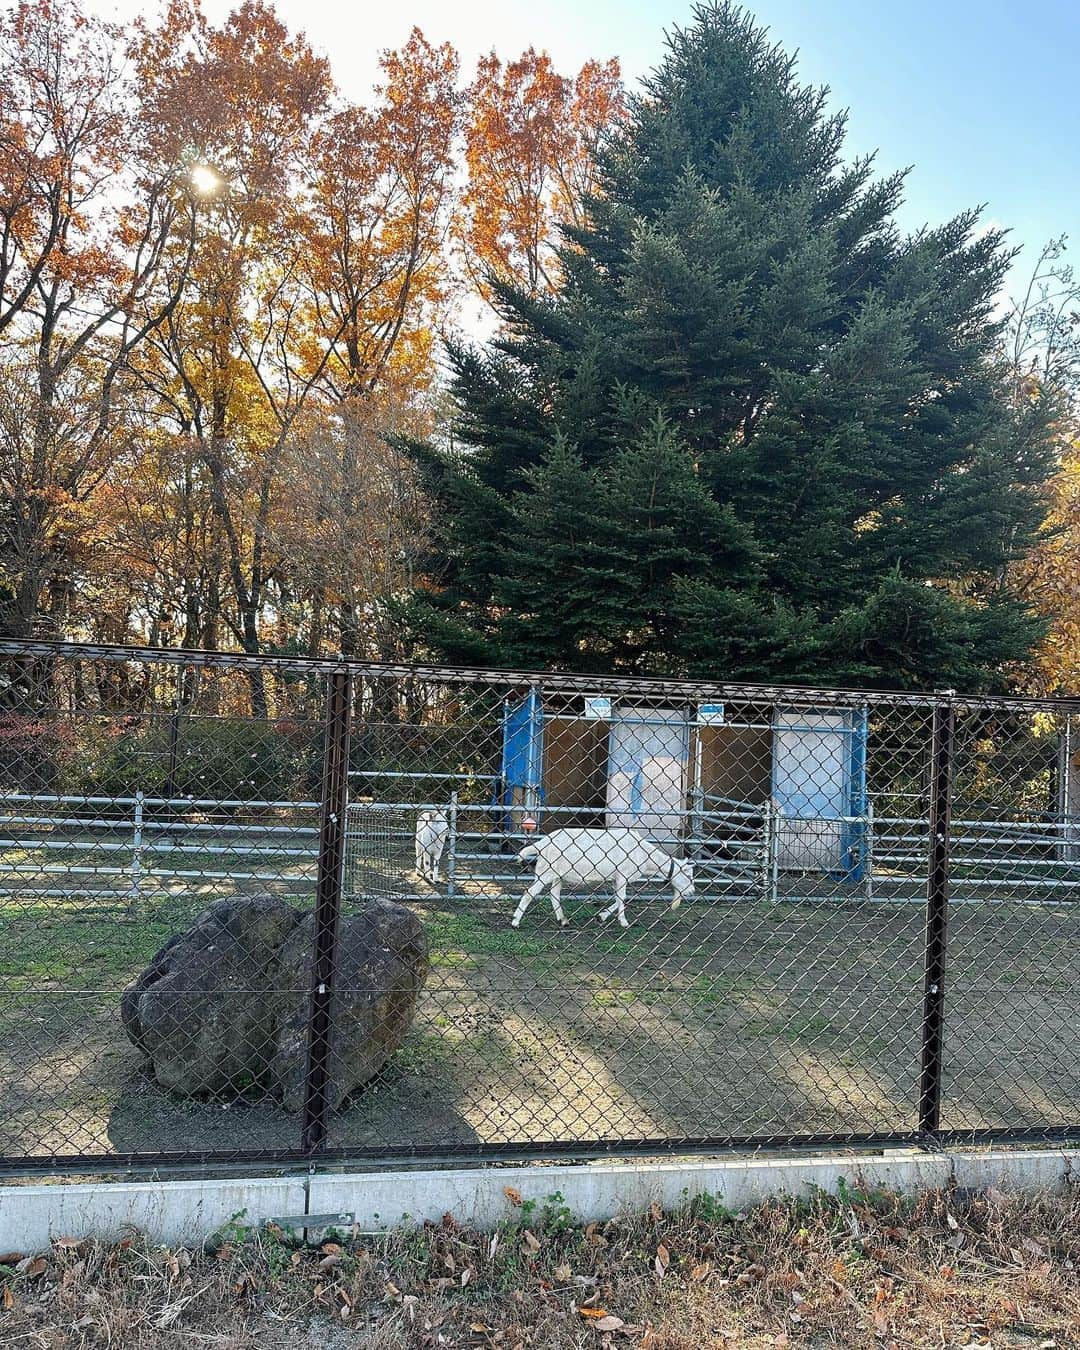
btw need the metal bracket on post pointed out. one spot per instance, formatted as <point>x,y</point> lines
<point>328,891</point>
<point>937,913</point>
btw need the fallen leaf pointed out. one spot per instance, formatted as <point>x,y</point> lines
<point>951,1221</point>
<point>586,1311</point>
<point>466,1276</point>
<point>478,1328</point>
<point>563,1273</point>
<point>655,1212</point>
<point>329,1262</point>
<point>529,1241</point>
<point>512,1194</point>
<point>32,1267</point>
<point>8,1298</point>
<point>608,1323</point>
<point>698,1273</point>
<point>881,1323</point>
<point>663,1260</point>
<point>67,1244</point>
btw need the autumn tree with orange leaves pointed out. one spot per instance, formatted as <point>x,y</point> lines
<point>85,225</point>
<point>530,147</point>
<point>1042,351</point>
<point>223,287</point>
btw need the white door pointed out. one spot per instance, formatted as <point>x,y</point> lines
<point>812,788</point>
<point>647,766</point>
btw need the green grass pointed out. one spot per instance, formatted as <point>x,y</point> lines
<point>718,988</point>
<point>611,998</point>
<point>459,938</point>
<point>424,1051</point>
<point>59,945</point>
<point>43,948</point>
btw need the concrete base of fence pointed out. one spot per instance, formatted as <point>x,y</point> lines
<point>188,1211</point>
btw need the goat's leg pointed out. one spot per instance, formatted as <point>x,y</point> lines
<point>419,859</point>
<point>435,856</point>
<point>620,900</point>
<point>526,900</point>
<point>619,904</point>
<point>556,894</point>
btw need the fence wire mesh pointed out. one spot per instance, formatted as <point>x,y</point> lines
<point>260,908</point>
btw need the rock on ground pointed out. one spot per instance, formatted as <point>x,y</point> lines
<point>381,968</point>
<point>199,1011</point>
<point>225,1006</point>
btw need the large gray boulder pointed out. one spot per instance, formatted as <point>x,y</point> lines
<point>200,1010</point>
<point>381,967</point>
<point>226,1006</point>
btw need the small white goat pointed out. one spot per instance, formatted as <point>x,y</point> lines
<point>432,828</point>
<point>621,855</point>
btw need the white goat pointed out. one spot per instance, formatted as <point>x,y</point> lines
<point>620,855</point>
<point>432,828</point>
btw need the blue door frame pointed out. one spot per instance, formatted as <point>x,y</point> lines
<point>843,796</point>
<point>522,757</point>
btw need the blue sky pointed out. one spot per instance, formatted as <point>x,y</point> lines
<point>980,96</point>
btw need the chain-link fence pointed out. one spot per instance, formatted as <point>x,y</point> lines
<point>261,908</point>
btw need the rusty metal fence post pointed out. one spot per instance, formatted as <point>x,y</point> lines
<point>937,914</point>
<point>334,796</point>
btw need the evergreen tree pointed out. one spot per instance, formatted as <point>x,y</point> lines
<point>782,426</point>
<point>560,582</point>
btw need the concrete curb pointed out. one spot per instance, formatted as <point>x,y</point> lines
<point>188,1211</point>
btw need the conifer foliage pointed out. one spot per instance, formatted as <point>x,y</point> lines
<point>758,432</point>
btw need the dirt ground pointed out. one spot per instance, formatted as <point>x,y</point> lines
<point>946,1269</point>
<point>727,1018</point>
